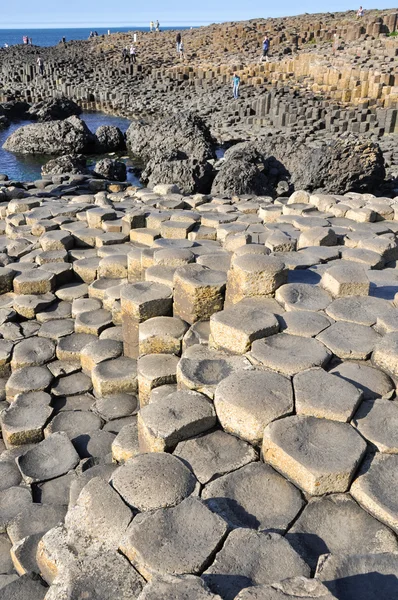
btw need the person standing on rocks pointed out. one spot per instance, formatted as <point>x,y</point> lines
<point>178,42</point>
<point>235,85</point>
<point>40,65</point>
<point>360,12</point>
<point>133,54</point>
<point>125,56</point>
<point>157,26</point>
<point>266,44</point>
<point>181,51</point>
<point>150,25</point>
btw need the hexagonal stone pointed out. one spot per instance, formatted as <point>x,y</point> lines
<point>235,498</point>
<point>178,588</point>
<point>190,535</point>
<point>294,588</point>
<point>24,555</point>
<point>29,305</point>
<point>23,588</point>
<point>363,310</point>
<point>58,310</point>
<point>97,352</point>
<point>36,518</point>
<point>152,481</point>
<point>35,281</point>
<point>9,477</point>
<point>74,423</point>
<point>32,352</point>
<point>346,280</point>
<point>385,353</point>
<point>153,371</point>
<point>198,292</point>
<point>56,329</point>
<point>319,455</point>
<point>361,576</point>
<point>103,471</point>
<point>213,454</point>
<point>336,524</point>
<point>302,296</point>
<point>377,421</point>
<point>35,379</point>
<point>349,340</point>
<point>161,334</point>
<point>72,385</point>
<point>289,354</point>
<point>52,457</point>
<point>55,491</point>
<point>162,424</point>
<point>70,347</point>
<point>249,558</point>
<point>235,328</point>
<point>116,406</point>
<point>376,488</point>
<point>254,275</point>
<point>93,321</point>
<point>115,376</point>
<point>81,305</point>
<point>99,515</point>
<point>24,421</point>
<point>126,445</point>
<point>12,501</point>
<point>202,368</point>
<point>246,402</point>
<point>320,394</point>
<point>72,291</point>
<point>305,323</point>
<point>371,381</point>
<point>56,240</point>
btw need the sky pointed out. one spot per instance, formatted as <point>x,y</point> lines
<point>126,13</point>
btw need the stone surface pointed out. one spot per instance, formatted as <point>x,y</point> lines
<point>318,455</point>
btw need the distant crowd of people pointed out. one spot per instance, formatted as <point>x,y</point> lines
<point>93,34</point>
<point>27,41</point>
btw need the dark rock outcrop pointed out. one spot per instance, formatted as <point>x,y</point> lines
<point>14,109</point>
<point>4,122</point>
<point>110,139</point>
<point>71,136</point>
<point>175,150</point>
<point>113,170</point>
<point>65,164</point>
<point>242,172</point>
<point>348,163</point>
<point>54,109</point>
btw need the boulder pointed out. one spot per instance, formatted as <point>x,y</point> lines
<point>242,172</point>
<point>111,169</point>
<point>110,138</point>
<point>174,150</point>
<point>54,109</point>
<point>56,137</point>
<point>68,163</point>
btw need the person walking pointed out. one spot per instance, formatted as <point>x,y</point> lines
<point>133,54</point>
<point>266,44</point>
<point>150,25</point>
<point>178,42</point>
<point>157,25</point>
<point>181,51</point>
<point>235,85</point>
<point>40,65</point>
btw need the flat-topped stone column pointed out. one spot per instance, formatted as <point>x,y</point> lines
<point>141,301</point>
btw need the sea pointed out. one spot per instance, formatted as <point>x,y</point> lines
<point>51,37</point>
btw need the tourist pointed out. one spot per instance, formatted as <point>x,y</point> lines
<point>151,26</point>
<point>335,43</point>
<point>360,12</point>
<point>30,42</point>
<point>25,40</point>
<point>235,85</point>
<point>181,51</point>
<point>133,54</point>
<point>178,42</point>
<point>40,64</point>
<point>266,44</point>
<point>157,25</point>
<point>125,56</point>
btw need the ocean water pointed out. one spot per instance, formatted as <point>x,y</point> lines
<point>51,37</point>
<point>27,167</point>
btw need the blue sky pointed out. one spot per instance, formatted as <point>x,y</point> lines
<point>91,13</point>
